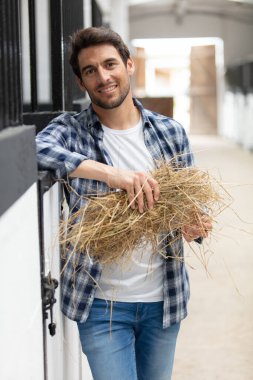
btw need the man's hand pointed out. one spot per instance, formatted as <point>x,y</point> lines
<point>201,228</point>
<point>139,186</point>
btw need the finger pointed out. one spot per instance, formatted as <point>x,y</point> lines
<point>206,221</point>
<point>208,226</point>
<point>203,223</point>
<point>186,235</point>
<point>192,232</point>
<point>200,231</point>
<point>155,187</point>
<point>204,233</point>
<point>139,196</point>
<point>149,195</point>
<point>204,229</point>
<point>131,198</point>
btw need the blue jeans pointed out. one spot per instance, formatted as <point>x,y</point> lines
<point>128,342</point>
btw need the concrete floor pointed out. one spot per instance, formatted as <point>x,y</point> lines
<point>216,339</point>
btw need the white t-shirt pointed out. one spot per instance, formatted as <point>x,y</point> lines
<point>139,279</point>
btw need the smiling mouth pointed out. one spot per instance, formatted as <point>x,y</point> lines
<point>106,90</point>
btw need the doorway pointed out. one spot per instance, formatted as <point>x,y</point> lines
<point>186,71</point>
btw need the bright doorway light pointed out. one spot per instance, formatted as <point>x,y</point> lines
<point>167,70</point>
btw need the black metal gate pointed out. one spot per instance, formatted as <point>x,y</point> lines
<point>65,16</point>
<point>10,79</point>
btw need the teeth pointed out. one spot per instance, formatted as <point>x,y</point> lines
<point>108,89</point>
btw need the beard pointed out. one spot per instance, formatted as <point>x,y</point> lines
<point>110,104</point>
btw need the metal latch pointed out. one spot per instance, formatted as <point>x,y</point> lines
<point>49,285</point>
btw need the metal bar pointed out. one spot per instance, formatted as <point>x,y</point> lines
<point>33,60</point>
<point>39,119</point>
<point>17,59</point>
<point>4,64</point>
<point>14,64</point>
<point>1,68</point>
<point>56,55</point>
<point>72,20</point>
<point>10,78</point>
<point>42,268</point>
<point>10,64</point>
<point>97,16</point>
<point>43,184</point>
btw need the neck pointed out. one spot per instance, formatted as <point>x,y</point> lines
<point>123,117</point>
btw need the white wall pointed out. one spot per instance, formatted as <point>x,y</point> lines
<point>65,360</point>
<point>21,327</point>
<point>119,20</point>
<point>237,122</point>
<point>21,346</point>
<point>237,36</point>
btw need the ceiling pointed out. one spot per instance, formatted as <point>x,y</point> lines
<point>238,10</point>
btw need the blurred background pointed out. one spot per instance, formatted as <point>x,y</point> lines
<point>194,62</point>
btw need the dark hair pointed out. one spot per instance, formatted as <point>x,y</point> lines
<point>92,36</point>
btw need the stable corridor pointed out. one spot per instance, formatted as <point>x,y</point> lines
<point>216,339</point>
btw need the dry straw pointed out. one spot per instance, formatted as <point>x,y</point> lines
<point>107,228</point>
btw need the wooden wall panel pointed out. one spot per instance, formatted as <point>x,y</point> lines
<point>203,105</point>
<point>162,105</point>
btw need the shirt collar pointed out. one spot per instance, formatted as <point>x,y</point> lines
<point>94,123</point>
<point>92,118</point>
<point>145,118</point>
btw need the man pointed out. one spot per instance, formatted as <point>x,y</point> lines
<point>115,143</point>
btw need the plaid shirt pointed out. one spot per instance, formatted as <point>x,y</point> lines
<point>61,147</point>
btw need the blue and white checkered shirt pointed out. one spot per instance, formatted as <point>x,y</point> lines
<point>61,147</point>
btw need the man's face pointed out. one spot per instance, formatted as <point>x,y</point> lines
<point>104,75</point>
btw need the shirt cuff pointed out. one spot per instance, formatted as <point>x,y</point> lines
<point>69,165</point>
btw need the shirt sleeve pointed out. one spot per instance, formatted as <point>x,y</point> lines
<point>183,152</point>
<point>187,155</point>
<point>55,148</point>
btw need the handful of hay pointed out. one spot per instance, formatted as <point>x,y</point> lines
<point>108,229</point>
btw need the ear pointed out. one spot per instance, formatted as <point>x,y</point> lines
<point>130,66</point>
<point>80,83</point>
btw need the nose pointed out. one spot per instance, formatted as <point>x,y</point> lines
<point>103,75</point>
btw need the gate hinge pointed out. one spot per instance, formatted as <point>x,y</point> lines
<point>49,285</point>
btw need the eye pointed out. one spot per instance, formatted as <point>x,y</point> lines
<point>89,71</point>
<point>111,65</point>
